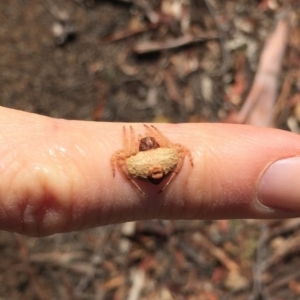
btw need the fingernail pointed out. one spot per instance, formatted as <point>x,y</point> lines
<point>279,186</point>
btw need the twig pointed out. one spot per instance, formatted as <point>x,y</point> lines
<point>24,257</point>
<point>149,47</point>
<point>171,87</point>
<point>225,56</point>
<point>218,253</point>
<point>258,108</point>
<point>192,255</point>
<point>138,278</point>
<point>290,246</point>
<point>122,35</point>
<point>284,228</point>
<point>259,266</point>
<point>284,281</point>
<point>285,91</point>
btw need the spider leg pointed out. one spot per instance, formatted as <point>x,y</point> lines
<point>119,159</point>
<point>136,185</point>
<point>167,142</point>
<point>175,171</point>
<point>115,158</point>
<point>171,178</point>
<point>161,139</point>
<point>121,154</point>
<point>182,151</point>
<point>125,140</point>
<point>123,168</point>
<point>133,144</point>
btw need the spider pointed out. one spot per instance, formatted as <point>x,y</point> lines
<point>151,157</point>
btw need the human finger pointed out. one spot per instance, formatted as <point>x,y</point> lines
<point>57,176</point>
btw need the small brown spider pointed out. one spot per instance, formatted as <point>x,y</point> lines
<point>152,157</point>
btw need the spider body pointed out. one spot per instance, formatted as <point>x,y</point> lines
<point>152,157</point>
<point>153,165</point>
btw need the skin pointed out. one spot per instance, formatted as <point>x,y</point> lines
<point>56,174</point>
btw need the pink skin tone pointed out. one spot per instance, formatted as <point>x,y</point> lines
<point>56,175</point>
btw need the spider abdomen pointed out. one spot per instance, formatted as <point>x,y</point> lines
<point>142,164</point>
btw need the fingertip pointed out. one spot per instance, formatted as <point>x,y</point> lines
<point>279,187</point>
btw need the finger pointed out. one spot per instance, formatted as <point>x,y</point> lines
<point>56,175</point>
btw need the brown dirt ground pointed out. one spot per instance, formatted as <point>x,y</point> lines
<point>90,76</point>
